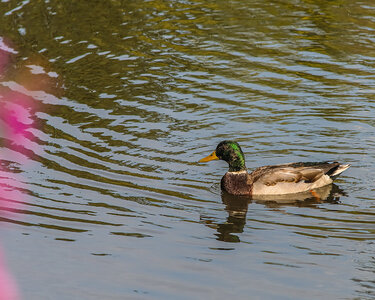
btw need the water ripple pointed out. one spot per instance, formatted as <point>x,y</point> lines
<point>129,97</point>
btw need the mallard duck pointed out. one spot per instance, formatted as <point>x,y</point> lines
<point>271,180</point>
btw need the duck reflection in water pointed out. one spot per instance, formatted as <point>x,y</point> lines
<point>237,207</point>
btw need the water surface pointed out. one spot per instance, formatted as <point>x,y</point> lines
<point>129,95</point>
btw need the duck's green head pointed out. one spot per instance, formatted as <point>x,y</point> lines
<point>231,152</point>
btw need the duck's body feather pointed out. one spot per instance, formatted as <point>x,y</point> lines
<point>272,180</point>
<point>282,179</point>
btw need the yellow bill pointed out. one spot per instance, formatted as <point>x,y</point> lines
<point>212,156</point>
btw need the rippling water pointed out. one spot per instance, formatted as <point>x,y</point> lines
<point>129,95</point>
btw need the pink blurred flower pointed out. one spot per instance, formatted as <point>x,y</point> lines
<point>15,120</point>
<point>17,140</point>
<point>8,289</point>
<point>16,117</point>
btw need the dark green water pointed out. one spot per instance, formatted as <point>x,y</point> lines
<point>129,95</point>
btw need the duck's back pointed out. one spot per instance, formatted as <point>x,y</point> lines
<point>294,177</point>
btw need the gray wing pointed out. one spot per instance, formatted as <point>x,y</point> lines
<point>289,174</point>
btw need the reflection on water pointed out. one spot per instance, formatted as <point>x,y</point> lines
<point>126,97</point>
<point>237,207</point>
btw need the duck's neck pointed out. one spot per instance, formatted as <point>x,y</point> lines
<point>237,165</point>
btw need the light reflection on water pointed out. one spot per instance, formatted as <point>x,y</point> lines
<point>130,95</point>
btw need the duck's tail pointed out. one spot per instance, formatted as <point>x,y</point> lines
<point>333,173</point>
